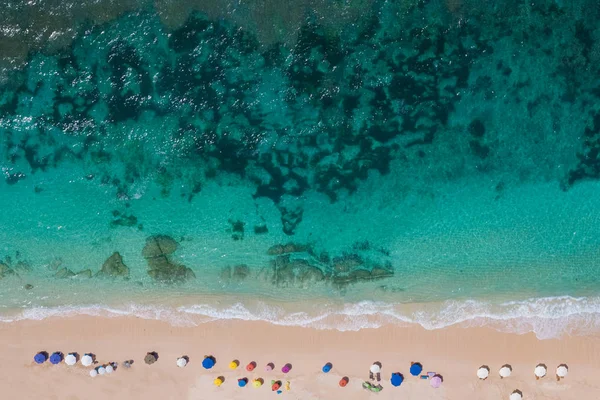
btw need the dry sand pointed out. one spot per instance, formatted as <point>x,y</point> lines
<point>455,353</point>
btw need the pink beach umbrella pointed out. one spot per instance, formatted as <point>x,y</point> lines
<point>436,381</point>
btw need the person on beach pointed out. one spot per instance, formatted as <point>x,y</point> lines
<point>373,388</point>
<point>375,371</point>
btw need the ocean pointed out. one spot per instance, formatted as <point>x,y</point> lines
<point>341,164</point>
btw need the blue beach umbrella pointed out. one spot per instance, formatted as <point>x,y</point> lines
<point>242,382</point>
<point>327,367</point>
<point>397,379</point>
<point>40,357</point>
<point>56,357</point>
<point>208,362</point>
<point>416,369</point>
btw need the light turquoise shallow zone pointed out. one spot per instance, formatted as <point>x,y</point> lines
<point>461,243</point>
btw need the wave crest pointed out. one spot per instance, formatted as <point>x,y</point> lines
<point>549,317</point>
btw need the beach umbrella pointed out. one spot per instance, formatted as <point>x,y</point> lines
<point>218,381</point>
<point>397,379</point>
<point>436,381</point>
<point>181,362</point>
<point>562,371</point>
<point>234,364</point>
<point>101,370</point>
<point>286,368</point>
<point>483,372</point>
<point>56,358</point>
<point>540,371</point>
<point>505,372</point>
<point>250,367</point>
<point>516,395</point>
<point>208,362</point>
<point>87,360</point>
<point>40,357</point>
<point>150,358</point>
<point>327,367</point>
<point>93,373</point>
<point>269,367</point>
<point>375,368</point>
<point>242,382</point>
<point>416,369</point>
<point>70,359</point>
<point>257,383</point>
<point>109,369</point>
<point>344,381</point>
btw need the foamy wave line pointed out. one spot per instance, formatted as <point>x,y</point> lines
<point>546,317</point>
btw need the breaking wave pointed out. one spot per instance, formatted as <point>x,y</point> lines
<point>548,318</point>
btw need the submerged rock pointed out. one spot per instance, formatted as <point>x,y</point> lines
<point>260,229</point>
<point>28,286</point>
<point>159,245</point>
<point>86,273</point>
<point>54,264</point>
<point>347,262</point>
<point>169,272</point>
<point>380,273</point>
<point>160,267</point>
<point>64,273</point>
<point>279,249</point>
<point>114,267</point>
<point>236,274</point>
<point>22,267</point>
<point>358,275</point>
<point>5,270</point>
<point>123,220</point>
<point>295,272</point>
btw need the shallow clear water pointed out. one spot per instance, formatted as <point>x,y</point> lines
<point>352,162</point>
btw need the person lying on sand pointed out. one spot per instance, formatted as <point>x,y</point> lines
<point>371,387</point>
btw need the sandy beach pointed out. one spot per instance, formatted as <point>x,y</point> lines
<point>455,353</point>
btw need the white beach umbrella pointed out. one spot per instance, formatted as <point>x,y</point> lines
<point>101,370</point>
<point>109,369</point>
<point>70,359</point>
<point>375,369</point>
<point>562,371</point>
<point>515,396</point>
<point>181,362</point>
<point>87,360</point>
<point>540,371</point>
<point>93,373</point>
<point>483,372</point>
<point>505,372</point>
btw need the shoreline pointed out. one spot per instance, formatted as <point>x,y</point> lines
<point>453,352</point>
<point>546,318</point>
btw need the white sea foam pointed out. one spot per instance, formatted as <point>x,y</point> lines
<point>546,317</point>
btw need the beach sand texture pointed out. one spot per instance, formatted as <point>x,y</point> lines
<point>455,353</point>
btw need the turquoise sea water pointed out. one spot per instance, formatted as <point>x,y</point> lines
<point>340,164</point>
